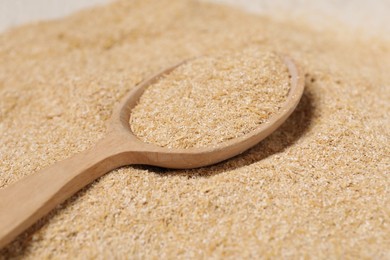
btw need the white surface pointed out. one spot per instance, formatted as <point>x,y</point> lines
<point>372,15</point>
<point>15,12</point>
<point>357,13</point>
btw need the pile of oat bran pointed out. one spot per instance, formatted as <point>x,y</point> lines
<point>318,186</point>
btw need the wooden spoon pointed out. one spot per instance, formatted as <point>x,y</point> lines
<point>26,201</point>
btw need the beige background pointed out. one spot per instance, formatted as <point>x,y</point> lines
<point>371,15</point>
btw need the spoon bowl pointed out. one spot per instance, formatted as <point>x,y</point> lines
<point>197,157</point>
<point>26,201</point>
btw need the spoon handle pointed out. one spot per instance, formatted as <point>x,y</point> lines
<point>28,200</point>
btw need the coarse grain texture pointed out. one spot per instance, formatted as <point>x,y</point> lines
<point>317,187</point>
<point>209,100</point>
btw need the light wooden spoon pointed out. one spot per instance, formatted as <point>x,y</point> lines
<point>26,201</point>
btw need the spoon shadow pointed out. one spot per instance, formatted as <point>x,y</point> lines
<point>289,133</point>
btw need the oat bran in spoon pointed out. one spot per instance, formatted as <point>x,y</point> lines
<point>212,99</point>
